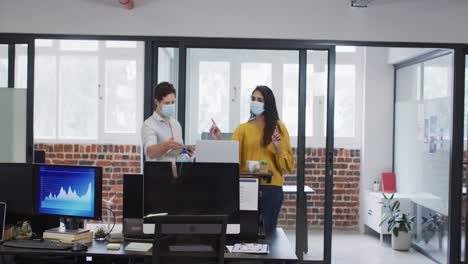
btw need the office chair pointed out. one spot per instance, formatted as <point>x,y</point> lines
<point>169,228</point>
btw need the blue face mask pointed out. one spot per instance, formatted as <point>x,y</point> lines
<point>168,110</point>
<point>256,108</point>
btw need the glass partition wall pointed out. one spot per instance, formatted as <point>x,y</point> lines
<point>219,83</point>
<point>13,101</point>
<point>422,150</point>
<point>301,80</point>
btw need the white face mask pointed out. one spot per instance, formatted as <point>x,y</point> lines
<point>256,108</point>
<point>168,110</point>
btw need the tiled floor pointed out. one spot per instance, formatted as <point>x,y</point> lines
<point>351,247</point>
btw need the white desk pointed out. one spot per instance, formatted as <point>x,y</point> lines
<point>293,189</point>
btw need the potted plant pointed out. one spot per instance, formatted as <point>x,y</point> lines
<point>434,224</point>
<point>399,224</point>
<point>263,166</point>
<point>23,230</point>
<point>100,234</point>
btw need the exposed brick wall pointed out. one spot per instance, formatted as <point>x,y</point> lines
<point>116,160</point>
<point>347,166</point>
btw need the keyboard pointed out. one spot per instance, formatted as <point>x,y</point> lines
<point>38,244</point>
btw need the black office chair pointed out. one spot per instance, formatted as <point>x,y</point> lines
<point>206,245</point>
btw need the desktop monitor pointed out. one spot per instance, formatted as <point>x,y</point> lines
<point>16,187</point>
<point>68,191</point>
<point>192,189</point>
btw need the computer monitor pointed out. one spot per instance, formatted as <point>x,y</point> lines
<point>16,188</point>
<point>192,189</point>
<point>68,191</point>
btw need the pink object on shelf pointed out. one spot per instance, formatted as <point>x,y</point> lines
<point>127,3</point>
<point>388,182</point>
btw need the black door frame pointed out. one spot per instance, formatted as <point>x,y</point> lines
<point>301,215</point>
<point>11,41</point>
<point>456,159</point>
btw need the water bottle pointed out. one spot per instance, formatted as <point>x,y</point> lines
<point>184,156</point>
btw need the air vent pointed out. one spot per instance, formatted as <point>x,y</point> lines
<point>360,3</point>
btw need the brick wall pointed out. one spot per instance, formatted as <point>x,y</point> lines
<point>347,165</point>
<point>116,160</point>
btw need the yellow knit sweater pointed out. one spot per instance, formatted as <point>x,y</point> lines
<point>250,137</point>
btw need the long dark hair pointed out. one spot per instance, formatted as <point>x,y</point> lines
<point>270,112</point>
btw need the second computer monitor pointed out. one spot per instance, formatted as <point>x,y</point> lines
<point>192,189</point>
<point>70,191</point>
<point>16,186</point>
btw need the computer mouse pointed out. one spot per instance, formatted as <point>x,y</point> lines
<point>79,247</point>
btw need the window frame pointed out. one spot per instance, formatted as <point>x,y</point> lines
<point>103,55</point>
<point>318,137</point>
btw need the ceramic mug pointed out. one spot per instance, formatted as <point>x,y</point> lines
<point>253,165</point>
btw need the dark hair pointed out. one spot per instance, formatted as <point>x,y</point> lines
<point>270,112</point>
<point>162,90</point>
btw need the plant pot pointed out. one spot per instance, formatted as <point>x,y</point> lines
<point>402,241</point>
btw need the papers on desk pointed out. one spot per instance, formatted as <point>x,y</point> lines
<point>248,194</point>
<point>251,248</point>
<point>142,247</point>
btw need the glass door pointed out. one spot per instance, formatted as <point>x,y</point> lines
<point>219,84</point>
<point>15,91</point>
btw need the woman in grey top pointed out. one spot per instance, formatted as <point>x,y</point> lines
<point>161,133</point>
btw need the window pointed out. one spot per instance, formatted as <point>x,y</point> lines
<point>252,75</point>
<point>220,82</point>
<point>21,66</point>
<point>88,91</point>
<point>345,100</point>
<point>214,79</point>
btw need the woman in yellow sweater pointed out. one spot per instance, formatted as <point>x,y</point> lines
<point>265,137</point>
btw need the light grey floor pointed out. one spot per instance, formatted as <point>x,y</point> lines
<point>351,247</point>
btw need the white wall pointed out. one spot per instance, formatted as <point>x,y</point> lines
<point>384,20</point>
<point>377,125</point>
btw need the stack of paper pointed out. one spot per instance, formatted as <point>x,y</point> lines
<point>252,248</point>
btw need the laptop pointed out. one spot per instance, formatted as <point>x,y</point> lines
<point>217,151</point>
<point>2,219</point>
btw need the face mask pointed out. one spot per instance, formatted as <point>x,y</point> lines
<point>256,108</point>
<point>168,110</point>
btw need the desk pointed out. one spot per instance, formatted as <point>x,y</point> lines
<point>281,251</point>
<point>292,189</point>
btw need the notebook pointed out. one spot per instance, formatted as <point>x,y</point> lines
<point>142,247</point>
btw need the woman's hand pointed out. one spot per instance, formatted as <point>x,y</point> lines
<point>276,140</point>
<point>214,131</point>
